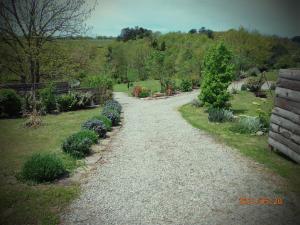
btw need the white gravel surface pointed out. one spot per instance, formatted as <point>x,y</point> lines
<point>161,170</point>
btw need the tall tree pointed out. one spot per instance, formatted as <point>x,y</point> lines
<point>27,25</point>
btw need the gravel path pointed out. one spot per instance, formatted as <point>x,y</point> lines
<point>161,170</point>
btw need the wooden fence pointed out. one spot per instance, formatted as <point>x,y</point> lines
<point>284,132</point>
<point>100,95</point>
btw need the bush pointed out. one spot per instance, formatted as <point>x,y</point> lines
<point>145,92</point>
<point>244,87</point>
<point>168,86</point>
<point>107,122</point>
<point>100,81</point>
<point>112,114</point>
<point>220,115</point>
<point>247,125</point>
<point>28,104</point>
<point>136,91</point>
<point>113,104</point>
<point>273,86</point>
<point>66,102</point>
<point>254,84</point>
<point>97,126</point>
<point>218,73</point>
<point>74,101</point>
<point>10,103</point>
<point>254,71</point>
<point>90,134</point>
<point>43,168</point>
<point>78,145</point>
<point>48,98</point>
<point>197,103</point>
<point>186,85</point>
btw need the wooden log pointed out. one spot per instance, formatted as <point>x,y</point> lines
<point>288,105</point>
<point>287,115</point>
<point>285,141</point>
<point>285,133</point>
<point>286,124</point>
<point>291,74</point>
<point>289,84</point>
<point>288,94</point>
<point>284,149</point>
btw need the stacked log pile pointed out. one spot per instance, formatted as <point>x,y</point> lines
<point>284,134</point>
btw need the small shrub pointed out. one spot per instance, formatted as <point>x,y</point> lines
<point>244,87</point>
<point>264,118</point>
<point>219,115</point>
<point>77,145</point>
<point>10,103</point>
<point>254,84</point>
<point>113,104</point>
<point>112,114</point>
<point>43,168</point>
<point>136,91</point>
<point>28,104</point>
<point>66,102</point>
<point>144,93</point>
<point>48,99</point>
<point>247,125</point>
<point>84,100</point>
<point>197,103</point>
<point>186,85</point>
<point>168,86</point>
<point>100,81</point>
<point>107,122</point>
<point>97,126</point>
<point>90,134</point>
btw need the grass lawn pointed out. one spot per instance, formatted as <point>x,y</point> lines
<point>153,85</point>
<point>35,204</point>
<point>255,147</point>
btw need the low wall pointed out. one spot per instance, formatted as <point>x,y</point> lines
<point>284,132</point>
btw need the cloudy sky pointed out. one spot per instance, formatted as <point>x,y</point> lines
<point>281,17</point>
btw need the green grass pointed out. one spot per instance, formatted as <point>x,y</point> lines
<point>153,85</point>
<point>255,147</point>
<point>35,204</point>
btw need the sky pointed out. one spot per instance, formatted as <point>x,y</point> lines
<point>279,17</point>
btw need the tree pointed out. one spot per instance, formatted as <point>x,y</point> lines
<point>193,31</point>
<point>218,73</point>
<point>27,25</point>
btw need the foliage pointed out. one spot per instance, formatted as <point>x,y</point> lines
<point>220,115</point>
<point>168,86</point>
<point>97,126</point>
<point>66,102</point>
<point>218,73</point>
<point>136,91</point>
<point>113,104</point>
<point>48,99</point>
<point>247,125</point>
<point>77,145</point>
<point>43,168</point>
<point>134,33</point>
<point>107,122</point>
<point>145,92</point>
<point>74,101</point>
<point>10,103</point>
<point>244,87</point>
<point>186,85</point>
<point>88,133</point>
<point>100,82</point>
<point>197,103</point>
<point>254,84</point>
<point>112,114</point>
